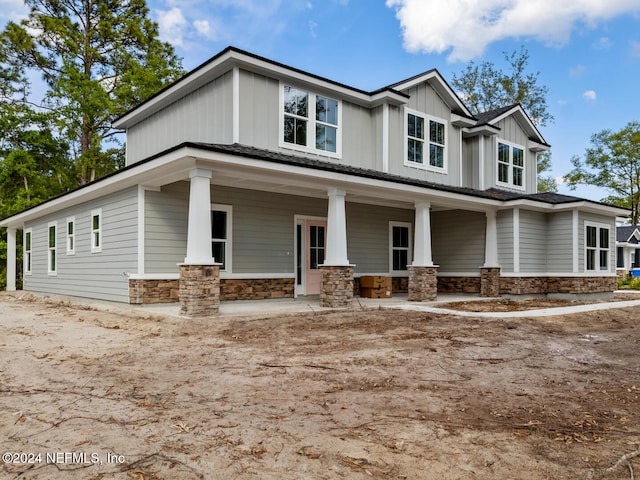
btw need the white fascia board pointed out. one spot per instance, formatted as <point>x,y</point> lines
<point>460,121</point>
<point>529,127</point>
<point>439,85</point>
<point>582,205</point>
<point>537,147</point>
<point>480,130</point>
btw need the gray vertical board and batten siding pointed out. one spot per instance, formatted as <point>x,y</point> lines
<point>424,99</point>
<point>100,275</point>
<point>260,123</point>
<point>205,115</point>
<point>458,240</point>
<point>510,131</point>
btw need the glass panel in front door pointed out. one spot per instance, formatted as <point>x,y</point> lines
<point>316,246</point>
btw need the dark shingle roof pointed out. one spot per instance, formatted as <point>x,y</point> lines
<point>623,233</point>
<point>486,117</point>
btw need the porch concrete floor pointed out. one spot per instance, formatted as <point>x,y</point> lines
<point>249,308</point>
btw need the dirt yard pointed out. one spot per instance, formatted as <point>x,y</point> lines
<point>92,394</point>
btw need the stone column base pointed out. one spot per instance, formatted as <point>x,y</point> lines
<point>336,287</point>
<point>199,290</point>
<point>490,282</point>
<point>423,284</point>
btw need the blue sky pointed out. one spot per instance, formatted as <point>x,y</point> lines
<point>587,51</point>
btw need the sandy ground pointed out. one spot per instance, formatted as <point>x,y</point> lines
<point>88,394</point>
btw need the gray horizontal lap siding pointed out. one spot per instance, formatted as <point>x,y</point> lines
<point>560,242</point>
<point>585,217</point>
<point>533,242</point>
<point>263,229</point>
<point>368,235</point>
<point>95,275</point>
<point>504,226</point>
<point>458,240</point>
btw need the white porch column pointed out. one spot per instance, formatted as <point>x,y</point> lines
<point>199,229</point>
<point>422,239</point>
<point>491,240</point>
<point>336,254</point>
<point>11,259</point>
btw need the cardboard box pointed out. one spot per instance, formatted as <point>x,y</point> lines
<point>371,281</point>
<point>367,292</point>
<point>375,287</point>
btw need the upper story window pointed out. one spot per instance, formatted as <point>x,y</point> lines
<point>511,165</point>
<point>426,142</point>
<point>310,122</point>
<point>596,247</point>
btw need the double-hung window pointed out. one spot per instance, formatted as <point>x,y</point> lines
<point>221,230</point>
<point>52,261</point>
<point>28,237</point>
<point>96,231</point>
<point>399,246</point>
<point>310,122</point>
<point>597,247</point>
<point>71,236</point>
<point>426,145</point>
<point>511,165</point>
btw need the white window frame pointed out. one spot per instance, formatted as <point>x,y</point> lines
<point>509,183</point>
<point>392,248</point>
<point>598,248</point>
<point>28,253</point>
<point>52,251</point>
<point>311,123</point>
<point>426,142</point>
<point>228,242</point>
<point>96,246</point>
<point>71,237</point>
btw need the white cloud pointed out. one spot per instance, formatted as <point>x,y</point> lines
<point>577,71</point>
<point>467,27</point>
<point>12,10</point>
<point>635,49</point>
<point>173,26</point>
<point>203,28</point>
<point>312,28</point>
<point>603,43</point>
<point>590,95</point>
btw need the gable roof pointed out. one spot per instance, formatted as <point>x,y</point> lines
<point>625,233</point>
<point>492,117</point>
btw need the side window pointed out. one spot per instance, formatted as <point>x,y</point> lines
<point>28,238</point>
<point>221,235</point>
<point>426,145</point>
<point>71,236</point>
<point>399,246</point>
<point>96,231</point>
<point>596,247</point>
<point>511,165</point>
<point>52,261</point>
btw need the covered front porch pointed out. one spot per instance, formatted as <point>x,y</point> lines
<point>254,229</point>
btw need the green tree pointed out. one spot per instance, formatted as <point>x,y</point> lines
<point>485,87</point>
<point>98,58</point>
<point>612,162</point>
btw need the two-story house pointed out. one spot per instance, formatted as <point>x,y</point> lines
<point>251,179</point>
